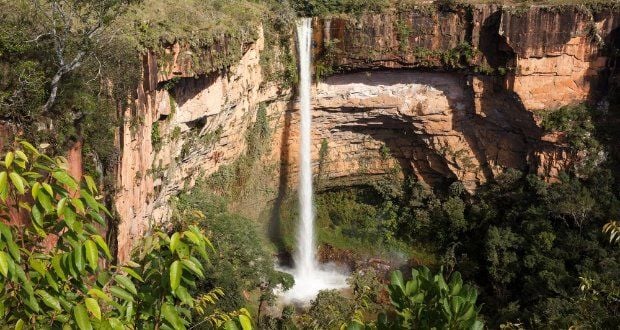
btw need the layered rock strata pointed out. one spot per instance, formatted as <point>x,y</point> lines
<point>443,94</point>
<point>183,127</point>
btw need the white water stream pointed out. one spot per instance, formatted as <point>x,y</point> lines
<point>310,277</point>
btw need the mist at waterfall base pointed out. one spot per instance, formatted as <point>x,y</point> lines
<point>310,277</point>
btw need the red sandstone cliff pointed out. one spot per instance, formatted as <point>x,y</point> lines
<point>461,105</point>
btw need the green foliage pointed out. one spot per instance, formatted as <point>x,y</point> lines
<point>88,96</point>
<point>323,161</point>
<point>309,8</point>
<point>367,290</point>
<point>459,57</point>
<point>278,58</point>
<point>43,285</point>
<point>247,178</point>
<point>156,139</point>
<point>352,214</point>
<point>530,226</point>
<point>427,301</point>
<point>171,271</point>
<point>511,237</point>
<point>324,61</point>
<point>198,25</point>
<point>385,152</point>
<point>403,31</point>
<point>239,243</point>
<point>62,276</point>
<point>575,122</point>
<point>328,310</point>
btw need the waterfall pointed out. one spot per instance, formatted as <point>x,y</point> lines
<point>310,277</point>
<point>305,258</point>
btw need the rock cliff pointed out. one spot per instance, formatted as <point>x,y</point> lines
<point>444,94</point>
<point>183,126</point>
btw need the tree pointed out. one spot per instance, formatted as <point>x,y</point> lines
<point>55,266</point>
<point>72,27</point>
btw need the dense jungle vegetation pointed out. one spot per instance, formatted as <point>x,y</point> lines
<point>518,253</point>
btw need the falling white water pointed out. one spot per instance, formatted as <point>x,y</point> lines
<point>310,278</point>
<point>305,261</point>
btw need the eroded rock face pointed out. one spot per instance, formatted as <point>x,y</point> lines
<point>428,124</point>
<point>549,56</point>
<point>557,54</point>
<point>183,132</point>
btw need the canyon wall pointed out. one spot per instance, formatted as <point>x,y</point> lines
<point>443,94</point>
<point>183,126</point>
<point>494,69</point>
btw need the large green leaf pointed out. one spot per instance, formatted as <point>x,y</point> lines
<point>25,281</point>
<point>18,182</point>
<point>171,315</point>
<point>56,264</point>
<point>30,147</point>
<point>397,279</point>
<point>90,183</point>
<point>120,293</point>
<point>37,265</point>
<point>176,272</point>
<point>51,281</point>
<point>34,191</point>
<point>192,237</point>
<point>174,241</point>
<point>6,232</point>
<point>182,293</point>
<point>102,244</point>
<point>92,254</point>
<point>97,217</point>
<point>79,206</point>
<point>132,273</point>
<point>94,292</point>
<point>64,178</point>
<point>48,188</point>
<point>246,323</point>
<point>37,215</point>
<point>78,259</point>
<point>21,155</point>
<point>90,200</point>
<point>3,182</point>
<point>60,207</point>
<point>4,263</point>
<point>116,324</point>
<point>230,325</point>
<point>81,317</point>
<point>192,267</point>
<point>126,283</point>
<point>45,201</point>
<point>49,300</point>
<point>32,303</point>
<point>93,307</point>
<point>456,283</point>
<point>8,159</point>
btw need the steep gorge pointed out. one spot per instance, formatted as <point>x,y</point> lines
<point>444,94</point>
